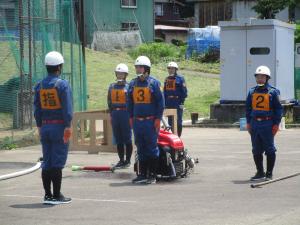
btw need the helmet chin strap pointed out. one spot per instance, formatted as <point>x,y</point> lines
<point>260,85</point>
<point>141,75</point>
<point>120,81</point>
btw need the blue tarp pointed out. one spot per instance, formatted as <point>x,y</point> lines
<point>200,40</point>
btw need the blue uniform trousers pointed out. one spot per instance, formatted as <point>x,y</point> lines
<point>262,137</point>
<point>145,139</point>
<point>55,151</point>
<point>121,127</point>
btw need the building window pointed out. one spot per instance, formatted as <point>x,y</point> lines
<point>159,10</point>
<point>176,10</point>
<point>128,3</point>
<point>129,26</point>
<point>260,51</point>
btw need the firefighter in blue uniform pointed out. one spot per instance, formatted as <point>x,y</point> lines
<point>53,114</point>
<point>145,105</point>
<point>263,112</point>
<point>175,93</point>
<point>117,105</point>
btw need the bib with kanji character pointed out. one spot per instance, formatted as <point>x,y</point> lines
<point>170,84</point>
<point>49,99</point>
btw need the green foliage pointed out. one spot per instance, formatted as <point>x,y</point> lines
<point>267,9</point>
<point>294,3</point>
<point>178,42</point>
<point>158,52</point>
<point>158,40</point>
<point>297,32</point>
<point>8,143</point>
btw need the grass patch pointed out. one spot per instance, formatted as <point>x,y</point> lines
<point>6,120</point>
<point>158,52</point>
<point>100,73</point>
<point>9,68</point>
<point>18,138</point>
<point>8,144</point>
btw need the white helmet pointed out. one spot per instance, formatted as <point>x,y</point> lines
<point>173,64</point>
<point>54,59</point>
<point>142,61</point>
<point>263,70</point>
<point>123,68</point>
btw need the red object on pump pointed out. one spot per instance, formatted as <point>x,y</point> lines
<point>168,139</point>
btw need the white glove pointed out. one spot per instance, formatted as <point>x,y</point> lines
<point>181,106</point>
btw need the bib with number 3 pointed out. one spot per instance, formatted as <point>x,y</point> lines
<point>118,96</point>
<point>141,95</point>
<point>261,101</point>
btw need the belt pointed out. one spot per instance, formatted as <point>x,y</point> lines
<point>173,96</point>
<point>262,118</point>
<point>120,108</point>
<point>52,121</point>
<point>141,118</point>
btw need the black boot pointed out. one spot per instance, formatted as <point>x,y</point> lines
<point>260,174</point>
<point>46,178</point>
<point>120,148</point>
<point>179,129</point>
<point>58,198</point>
<point>56,177</point>
<point>271,158</point>
<point>121,163</point>
<point>153,166</point>
<point>142,176</point>
<point>128,154</point>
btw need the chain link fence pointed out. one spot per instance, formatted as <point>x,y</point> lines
<point>28,30</point>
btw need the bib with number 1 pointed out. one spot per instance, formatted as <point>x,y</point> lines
<point>141,95</point>
<point>118,96</point>
<point>261,101</point>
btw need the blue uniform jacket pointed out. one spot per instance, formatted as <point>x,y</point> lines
<point>63,88</point>
<point>274,108</point>
<point>153,108</point>
<point>175,91</point>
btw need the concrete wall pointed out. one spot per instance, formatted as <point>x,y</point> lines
<point>241,9</point>
<point>108,15</point>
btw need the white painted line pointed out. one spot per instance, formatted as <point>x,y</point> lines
<point>76,199</point>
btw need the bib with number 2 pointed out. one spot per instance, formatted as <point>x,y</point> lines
<point>141,95</point>
<point>261,101</point>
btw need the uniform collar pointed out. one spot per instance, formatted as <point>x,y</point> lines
<point>52,75</point>
<point>146,79</point>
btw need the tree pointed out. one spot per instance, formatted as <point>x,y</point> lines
<point>267,9</point>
